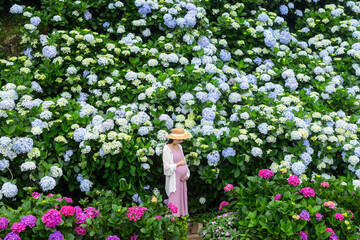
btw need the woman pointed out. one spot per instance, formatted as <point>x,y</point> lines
<point>176,171</point>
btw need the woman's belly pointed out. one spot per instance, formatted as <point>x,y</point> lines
<point>181,171</point>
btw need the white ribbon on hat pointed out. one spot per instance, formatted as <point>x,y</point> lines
<point>177,135</point>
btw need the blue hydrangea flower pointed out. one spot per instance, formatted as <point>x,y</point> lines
<point>143,130</point>
<point>106,24</point>
<point>38,123</point>
<point>79,177</point>
<point>263,17</point>
<point>263,128</point>
<point>47,183</point>
<point>87,15</point>
<point>225,55</point>
<point>23,145</point>
<point>285,37</point>
<point>203,41</point>
<point>228,152</point>
<point>85,185</point>
<point>208,114</point>
<point>9,190</point>
<point>284,10</point>
<point>207,130</point>
<point>257,61</point>
<point>136,198</point>
<point>170,23</point>
<point>27,52</point>
<point>270,41</point>
<point>145,9</point>
<point>35,21</point>
<point>49,51</point>
<point>4,164</point>
<point>111,6</point>
<point>306,158</point>
<point>16,9</point>
<point>79,134</point>
<point>213,158</point>
<point>298,168</point>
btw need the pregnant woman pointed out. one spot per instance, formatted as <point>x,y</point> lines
<point>176,171</point>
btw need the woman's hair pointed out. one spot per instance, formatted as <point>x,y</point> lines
<point>170,141</point>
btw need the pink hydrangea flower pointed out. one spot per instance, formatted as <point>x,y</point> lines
<point>172,208</point>
<point>330,204</point>
<point>67,210</point>
<point>4,222</point>
<point>50,195</point>
<point>68,200</point>
<point>80,230</point>
<point>18,227</point>
<point>293,180</point>
<point>223,203</point>
<point>91,212</point>
<point>339,216</point>
<point>266,173</point>
<point>52,218</point>
<point>318,216</point>
<point>304,235</point>
<point>134,237</point>
<point>277,197</point>
<point>135,213</point>
<point>36,195</point>
<point>158,217</point>
<point>325,184</point>
<point>228,187</point>
<point>307,192</point>
<point>329,230</point>
<point>112,238</point>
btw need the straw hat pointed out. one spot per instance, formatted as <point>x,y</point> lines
<point>178,133</point>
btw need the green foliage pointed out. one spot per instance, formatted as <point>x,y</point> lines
<point>260,216</point>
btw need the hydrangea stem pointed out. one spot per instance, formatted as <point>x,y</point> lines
<point>12,177</point>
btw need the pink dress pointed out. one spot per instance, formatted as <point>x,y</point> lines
<point>179,197</point>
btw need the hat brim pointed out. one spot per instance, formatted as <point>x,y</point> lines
<point>177,137</point>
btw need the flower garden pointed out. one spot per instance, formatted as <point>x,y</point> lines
<point>268,91</point>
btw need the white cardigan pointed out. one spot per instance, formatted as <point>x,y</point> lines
<point>170,170</point>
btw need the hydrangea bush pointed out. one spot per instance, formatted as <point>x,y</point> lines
<point>55,217</point>
<point>283,206</point>
<point>101,83</point>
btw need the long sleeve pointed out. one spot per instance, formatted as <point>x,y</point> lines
<point>169,165</point>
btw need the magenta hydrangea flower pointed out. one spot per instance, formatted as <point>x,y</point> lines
<point>223,203</point>
<point>339,216</point>
<point>134,237</point>
<point>29,221</point>
<point>329,230</point>
<point>228,187</point>
<point>18,227</point>
<point>172,208</point>
<point>158,217</point>
<point>304,235</point>
<point>80,230</point>
<point>293,180</point>
<point>135,213</point>
<point>318,216</point>
<point>266,173</point>
<point>67,210</point>
<point>52,218</point>
<point>91,212</point>
<point>112,238</point>
<point>36,195</point>
<point>277,197</point>
<point>4,222</point>
<point>307,192</point>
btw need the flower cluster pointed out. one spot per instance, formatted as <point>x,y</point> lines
<point>135,213</point>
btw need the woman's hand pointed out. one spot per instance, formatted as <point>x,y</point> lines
<point>184,178</point>
<point>181,163</point>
